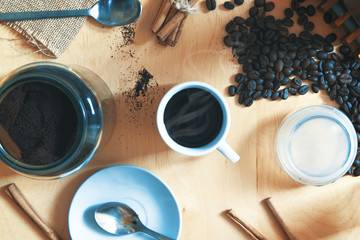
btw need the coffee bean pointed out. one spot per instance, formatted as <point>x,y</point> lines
<point>269,76</point>
<point>328,18</point>
<point>239,20</point>
<point>287,71</point>
<point>279,65</point>
<point>248,102</point>
<point>328,65</point>
<point>240,88</point>
<point>301,11</point>
<point>328,47</point>
<point>321,55</point>
<point>302,20</point>
<point>239,2</point>
<point>267,93</point>
<point>229,5</point>
<point>211,4</point>
<point>309,26</point>
<point>250,21</point>
<point>344,91</point>
<point>310,10</point>
<point>345,50</point>
<point>232,90</point>
<point>230,26</point>
<point>296,83</point>
<point>228,41</point>
<point>288,12</point>
<point>315,88</point>
<point>251,85</point>
<point>259,3</point>
<point>288,22</point>
<point>331,38</point>
<point>284,94</point>
<point>268,84</point>
<point>275,95</point>
<point>330,78</point>
<point>243,59</point>
<point>292,91</point>
<point>269,6</point>
<point>345,78</point>
<point>303,90</point>
<point>253,11</point>
<point>239,78</point>
<point>335,57</point>
<point>294,5</point>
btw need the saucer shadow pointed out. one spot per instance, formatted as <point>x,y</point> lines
<point>89,219</point>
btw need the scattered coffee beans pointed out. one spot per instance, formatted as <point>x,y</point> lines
<point>277,64</point>
<point>238,2</point>
<point>211,4</point>
<point>229,5</point>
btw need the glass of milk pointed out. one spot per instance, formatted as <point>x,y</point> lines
<point>316,145</point>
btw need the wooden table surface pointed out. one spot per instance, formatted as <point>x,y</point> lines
<point>204,186</point>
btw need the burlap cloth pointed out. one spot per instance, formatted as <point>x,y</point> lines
<point>51,36</point>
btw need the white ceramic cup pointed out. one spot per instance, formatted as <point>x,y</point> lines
<point>217,143</point>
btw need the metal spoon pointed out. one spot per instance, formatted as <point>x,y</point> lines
<point>106,12</point>
<point>119,219</point>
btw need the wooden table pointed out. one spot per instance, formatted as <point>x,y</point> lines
<point>204,186</point>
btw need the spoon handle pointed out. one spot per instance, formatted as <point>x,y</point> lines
<point>153,233</point>
<point>13,16</point>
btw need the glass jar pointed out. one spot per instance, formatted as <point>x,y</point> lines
<point>316,145</point>
<point>94,116</point>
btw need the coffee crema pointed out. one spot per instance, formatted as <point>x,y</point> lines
<point>193,117</point>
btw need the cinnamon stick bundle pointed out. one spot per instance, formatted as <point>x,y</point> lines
<point>169,22</point>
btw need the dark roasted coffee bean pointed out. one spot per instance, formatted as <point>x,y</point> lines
<point>259,3</point>
<point>284,94</point>
<point>229,5</point>
<point>301,11</point>
<point>256,95</point>
<point>273,56</point>
<point>294,5</point>
<point>253,11</point>
<point>339,100</point>
<point>331,38</point>
<point>321,55</point>
<point>279,65</point>
<point>243,59</point>
<point>269,6</point>
<point>285,81</point>
<point>288,12</point>
<point>269,76</point>
<point>240,88</point>
<point>328,47</point>
<point>332,95</point>
<point>292,90</point>
<point>305,63</point>
<point>328,65</point>
<point>248,102</point>
<point>296,83</point>
<point>288,22</point>
<point>335,57</point>
<point>239,2</point>
<point>356,163</point>
<point>328,18</point>
<point>345,50</point>
<point>211,4</point>
<point>345,78</point>
<point>302,20</point>
<point>330,78</point>
<point>230,26</point>
<point>228,41</point>
<point>239,78</point>
<point>344,91</point>
<point>303,89</point>
<point>309,26</point>
<point>232,90</point>
<point>268,84</point>
<point>239,20</point>
<point>254,74</point>
<point>287,71</point>
<point>277,85</point>
<point>310,10</point>
<point>250,21</point>
<point>267,93</point>
<point>315,88</point>
<point>251,85</point>
<point>275,95</point>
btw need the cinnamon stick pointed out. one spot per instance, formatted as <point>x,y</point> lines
<point>175,35</point>
<point>161,15</point>
<point>252,232</point>
<point>16,195</point>
<point>168,27</point>
<point>279,220</point>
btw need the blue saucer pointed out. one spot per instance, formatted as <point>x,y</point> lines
<point>138,188</point>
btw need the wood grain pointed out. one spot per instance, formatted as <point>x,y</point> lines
<point>206,185</point>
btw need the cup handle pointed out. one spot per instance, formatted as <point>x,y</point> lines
<point>228,152</point>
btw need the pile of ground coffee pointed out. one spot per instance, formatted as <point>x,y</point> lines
<point>41,120</point>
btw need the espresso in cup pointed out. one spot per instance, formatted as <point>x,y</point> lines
<point>193,117</point>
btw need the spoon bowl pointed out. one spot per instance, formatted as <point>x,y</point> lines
<point>107,12</point>
<point>119,219</point>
